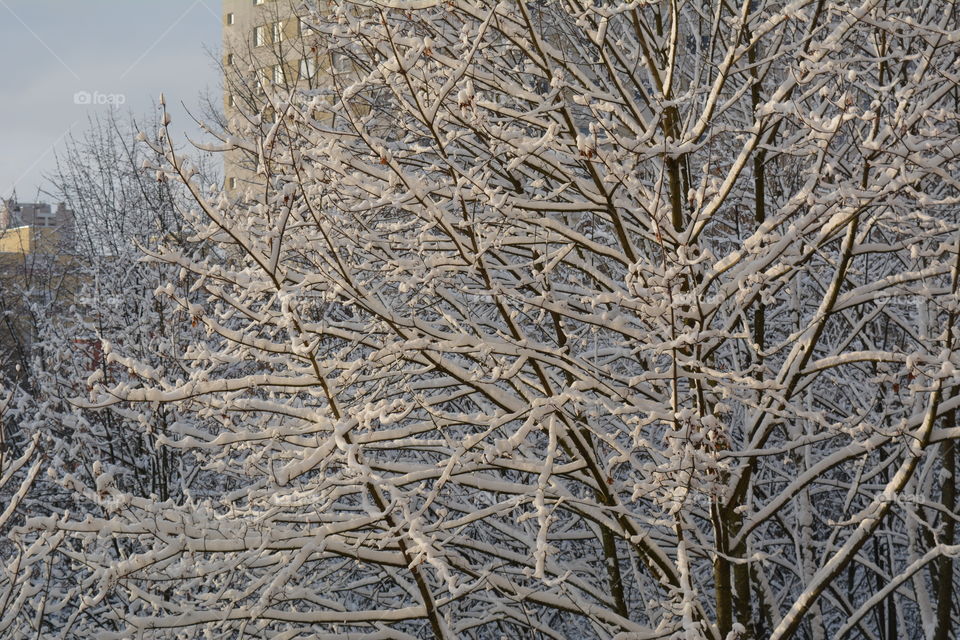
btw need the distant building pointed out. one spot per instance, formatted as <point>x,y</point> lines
<point>35,227</point>
<point>37,267</point>
<point>256,34</point>
<point>266,46</point>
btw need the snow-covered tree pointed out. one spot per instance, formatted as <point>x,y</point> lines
<point>74,306</point>
<point>20,464</point>
<point>119,209</point>
<point>565,319</point>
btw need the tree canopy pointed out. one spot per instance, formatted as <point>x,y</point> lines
<point>553,320</point>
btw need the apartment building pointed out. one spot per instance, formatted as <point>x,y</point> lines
<point>266,48</point>
<point>37,266</point>
<point>35,227</point>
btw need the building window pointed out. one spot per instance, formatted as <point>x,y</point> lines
<point>229,59</point>
<point>308,68</point>
<point>256,2</point>
<point>231,183</point>
<point>232,100</point>
<point>278,32</point>
<point>339,63</point>
<point>229,18</point>
<point>278,74</point>
<point>259,36</point>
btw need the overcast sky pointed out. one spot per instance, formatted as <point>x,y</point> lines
<point>58,55</point>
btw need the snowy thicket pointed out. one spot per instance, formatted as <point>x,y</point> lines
<point>72,308</point>
<point>120,209</point>
<point>558,320</point>
<point>20,465</point>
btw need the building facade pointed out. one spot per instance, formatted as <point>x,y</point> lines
<point>35,227</point>
<point>266,53</point>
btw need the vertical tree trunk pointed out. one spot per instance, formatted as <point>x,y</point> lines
<point>945,563</point>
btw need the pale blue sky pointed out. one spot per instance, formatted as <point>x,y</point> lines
<point>51,50</point>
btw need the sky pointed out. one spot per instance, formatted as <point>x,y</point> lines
<point>64,61</point>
